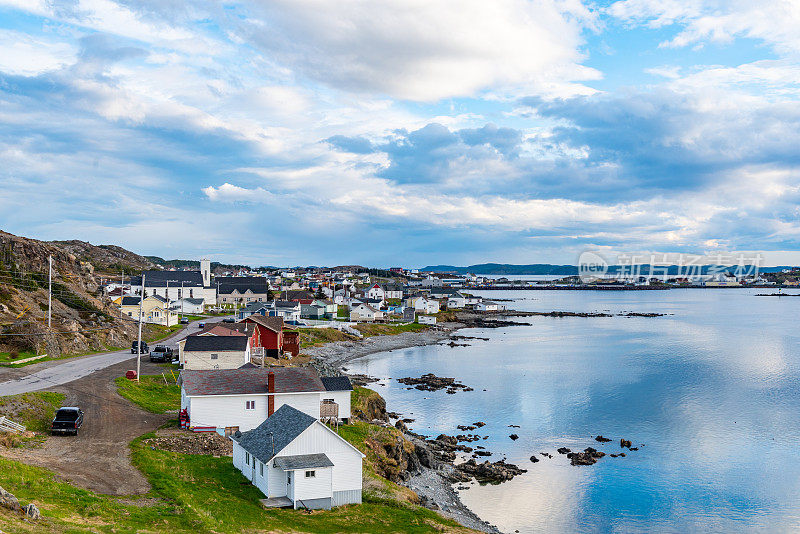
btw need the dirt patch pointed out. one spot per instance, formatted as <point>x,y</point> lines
<point>98,458</point>
<point>187,442</point>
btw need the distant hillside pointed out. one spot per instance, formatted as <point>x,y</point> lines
<point>506,269</point>
<point>106,258</point>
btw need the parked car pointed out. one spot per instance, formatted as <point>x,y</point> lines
<point>67,421</point>
<point>144,349</point>
<point>229,320</point>
<point>161,354</point>
<point>201,325</point>
<point>184,320</point>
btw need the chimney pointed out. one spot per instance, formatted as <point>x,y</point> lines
<point>270,398</point>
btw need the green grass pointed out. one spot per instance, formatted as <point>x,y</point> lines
<point>5,357</point>
<point>378,329</point>
<point>316,336</point>
<point>194,493</point>
<point>151,393</point>
<point>35,410</point>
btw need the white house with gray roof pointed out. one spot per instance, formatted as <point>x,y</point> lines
<point>295,460</point>
<point>227,400</point>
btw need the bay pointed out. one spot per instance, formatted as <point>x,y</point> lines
<point>710,392</point>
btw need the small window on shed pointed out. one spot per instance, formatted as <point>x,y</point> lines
<point>247,458</point>
<point>214,356</point>
<point>311,474</point>
<point>261,468</point>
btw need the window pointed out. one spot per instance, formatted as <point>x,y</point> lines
<point>261,468</point>
<point>250,405</point>
<point>288,478</point>
<point>214,356</point>
<point>247,458</point>
<point>311,474</point>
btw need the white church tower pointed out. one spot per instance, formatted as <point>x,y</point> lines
<point>205,270</point>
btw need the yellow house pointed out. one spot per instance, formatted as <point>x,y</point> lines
<point>154,310</point>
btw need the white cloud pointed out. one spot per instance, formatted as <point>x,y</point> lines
<point>427,49</point>
<point>25,55</point>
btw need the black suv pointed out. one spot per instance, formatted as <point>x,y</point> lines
<point>67,420</point>
<point>161,354</point>
<point>144,348</point>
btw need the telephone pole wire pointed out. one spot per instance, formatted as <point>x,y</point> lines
<point>139,342</point>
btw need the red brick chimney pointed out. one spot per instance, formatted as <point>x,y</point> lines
<point>270,389</point>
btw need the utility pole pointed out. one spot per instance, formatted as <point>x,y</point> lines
<point>167,295</point>
<point>139,343</point>
<point>183,297</point>
<point>50,291</point>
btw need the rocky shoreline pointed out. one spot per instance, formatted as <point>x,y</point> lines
<point>432,468</point>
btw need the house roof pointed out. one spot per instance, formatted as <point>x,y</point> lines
<point>336,383</point>
<point>255,306</point>
<point>275,433</point>
<point>130,301</point>
<point>256,284</point>
<point>273,323</point>
<point>303,461</point>
<point>295,294</point>
<point>250,381</point>
<point>208,343</point>
<point>160,279</point>
<point>192,301</point>
<point>286,304</point>
<point>219,330</point>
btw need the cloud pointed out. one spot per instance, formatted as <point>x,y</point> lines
<point>402,49</point>
<point>25,55</point>
<point>356,145</point>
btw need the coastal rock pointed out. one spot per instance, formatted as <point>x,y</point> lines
<point>401,426</point>
<point>563,450</point>
<point>7,500</point>
<point>602,439</point>
<point>588,457</point>
<point>546,454</point>
<point>534,459</point>
<point>514,437</point>
<point>32,512</point>
<point>495,472</point>
<point>624,443</point>
<point>479,423</point>
<point>431,382</point>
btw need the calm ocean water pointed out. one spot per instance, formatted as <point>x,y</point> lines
<point>710,391</point>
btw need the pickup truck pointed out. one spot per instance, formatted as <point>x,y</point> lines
<point>67,421</point>
<point>161,354</point>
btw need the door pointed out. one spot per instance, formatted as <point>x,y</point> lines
<point>290,485</point>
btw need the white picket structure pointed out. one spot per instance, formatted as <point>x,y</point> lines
<point>7,425</point>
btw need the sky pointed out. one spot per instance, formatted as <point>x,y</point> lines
<point>408,133</point>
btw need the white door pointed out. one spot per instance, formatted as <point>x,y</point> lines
<point>290,485</point>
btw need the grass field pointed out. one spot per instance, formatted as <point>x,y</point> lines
<point>35,410</point>
<point>316,336</point>
<point>378,329</point>
<point>152,393</point>
<point>194,493</point>
<point>6,357</point>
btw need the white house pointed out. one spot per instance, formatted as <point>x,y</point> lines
<point>215,352</point>
<point>297,461</point>
<point>365,312</point>
<point>227,400</point>
<point>426,319</point>
<point>375,292</point>
<point>488,305</point>
<point>392,291</point>
<point>423,305</point>
<point>456,301</point>
<point>188,305</point>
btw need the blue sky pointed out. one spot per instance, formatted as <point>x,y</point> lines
<point>403,133</point>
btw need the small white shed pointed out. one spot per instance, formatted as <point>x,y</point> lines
<point>294,458</point>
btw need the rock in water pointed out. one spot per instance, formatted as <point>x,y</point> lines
<point>7,500</point>
<point>32,511</point>
<point>514,437</point>
<point>563,450</point>
<point>534,459</point>
<point>602,439</point>
<point>625,443</point>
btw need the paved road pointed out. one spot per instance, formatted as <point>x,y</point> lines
<point>75,368</point>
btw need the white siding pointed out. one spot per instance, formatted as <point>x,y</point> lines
<point>342,398</point>
<point>305,402</point>
<point>202,359</point>
<point>277,482</point>
<point>222,411</point>
<point>346,461</point>
<point>317,487</point>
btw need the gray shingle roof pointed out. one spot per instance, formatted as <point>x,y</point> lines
<point>204,343</point>
<point>160,279</point>
<point>303,461</point>
<point>130,301</point>
<point>249,381</point>
<point>275,433</point>
<point>273,323</point>
<point>336,383</point>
